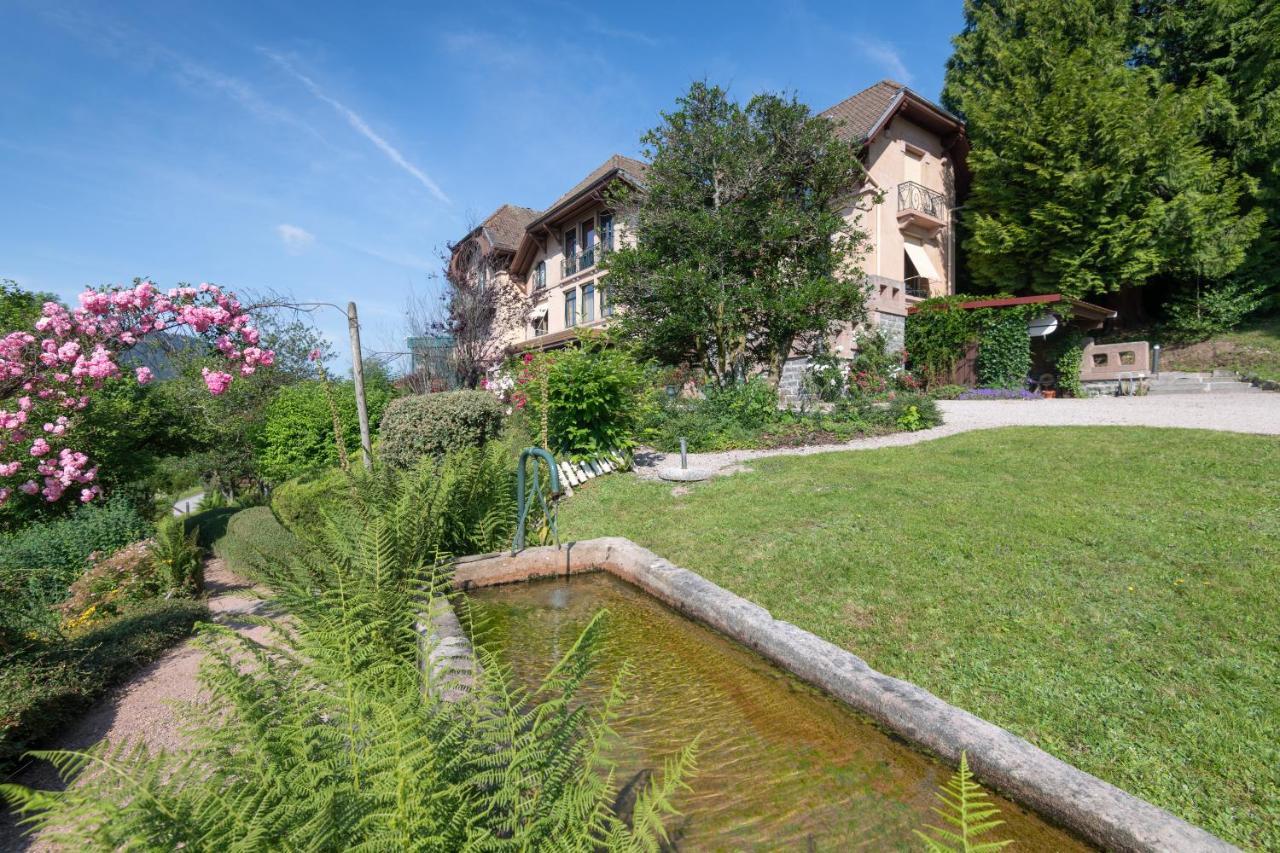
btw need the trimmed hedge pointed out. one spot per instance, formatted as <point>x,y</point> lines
<point>254,539</point>
<point>300,503</point>
<point>45,687</point>
<point>437,424</point>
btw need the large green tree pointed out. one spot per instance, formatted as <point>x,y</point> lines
<point>741,253</point>
<point>1089,171</point>
<point>1230,49</point>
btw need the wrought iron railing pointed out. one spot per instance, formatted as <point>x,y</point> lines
<point>584,260</point>
<point>913,196</point>
<point>918,287</point>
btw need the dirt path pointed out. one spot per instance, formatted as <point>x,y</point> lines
<point>1248,413</point>
<point>143,708</point>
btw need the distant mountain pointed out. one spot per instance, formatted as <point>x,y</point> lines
<point>159,350</point>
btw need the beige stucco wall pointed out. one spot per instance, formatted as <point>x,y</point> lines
<point>558,286</point>
<point>883,261</point>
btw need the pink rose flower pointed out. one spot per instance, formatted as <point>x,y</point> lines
<point>216,381</point>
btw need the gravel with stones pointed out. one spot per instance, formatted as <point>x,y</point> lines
<point>1248,413</point>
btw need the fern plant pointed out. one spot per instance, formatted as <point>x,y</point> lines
<point>325,732</point>
<point>968,810</point>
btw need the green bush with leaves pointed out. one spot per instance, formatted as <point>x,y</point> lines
<point>253,541</point>
<point>47,685</point>
<point>1209,311</point>
<point>435,424</point>
<point>1004,350</point>
<point>39,563</point>
<point>1068,356</point>
<point>937,335</point>
<point>377,751</point>
<point>592,397</point>
<point>177,556</point>
<point>298,434</point>
<point>300,503</point>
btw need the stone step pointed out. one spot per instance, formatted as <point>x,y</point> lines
<point>1214,387</point>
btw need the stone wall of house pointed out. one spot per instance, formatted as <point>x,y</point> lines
<point>792,378</point>
<point>894,327</point>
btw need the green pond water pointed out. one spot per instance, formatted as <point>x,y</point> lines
<point>780,765</point>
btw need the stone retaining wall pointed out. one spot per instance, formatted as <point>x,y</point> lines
<point>1095,810</point>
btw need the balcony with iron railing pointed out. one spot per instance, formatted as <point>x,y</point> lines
<point>920,206</point>
<point>586,259</point>
<point>918,287</point>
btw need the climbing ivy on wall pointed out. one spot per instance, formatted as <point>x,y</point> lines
<point>1004,349</point>
<point>939,332</point>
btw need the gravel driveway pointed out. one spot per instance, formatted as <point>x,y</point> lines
<point>1249,413</point>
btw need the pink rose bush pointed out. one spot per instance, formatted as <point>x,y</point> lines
<point>48,374</point>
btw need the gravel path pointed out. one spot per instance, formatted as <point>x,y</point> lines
<point>144,707</point>
<point>188,505</point>
<point>1248,413</point>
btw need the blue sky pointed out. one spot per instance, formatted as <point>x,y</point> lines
<point>329,150</point>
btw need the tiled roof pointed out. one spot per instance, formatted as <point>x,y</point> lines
<point>505,226</point>
<point>634,169</point>
<point>859,114</point>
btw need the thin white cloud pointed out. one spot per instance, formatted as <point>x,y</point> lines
<point>296,240</point>
<point>361,126</point>
<point>886,55</point>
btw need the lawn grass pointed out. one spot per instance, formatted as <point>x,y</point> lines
<point>1252,349</point>
<point>1110,594</point>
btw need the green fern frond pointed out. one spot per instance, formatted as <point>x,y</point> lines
<point>969,811</point>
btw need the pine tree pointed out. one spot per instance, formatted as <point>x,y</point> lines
<point>1089,172</point>
<point>1231,50</point>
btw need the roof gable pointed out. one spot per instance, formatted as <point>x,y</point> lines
<point>863,115</point>
<point>505,226</point>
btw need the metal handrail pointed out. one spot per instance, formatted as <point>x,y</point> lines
<point>584,260</point>
<point>522,503</point>
<point>913,196</point>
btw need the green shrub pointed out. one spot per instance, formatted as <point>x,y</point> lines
<point>300,503</point>
<point>913,412</point>
<point>937,335</point>
<point>1004,351</point>
<point>750,404</point>
<point>39,562</point>
<point>824,377</point>
<point>298,433</point>
<point>1067,358</point>
<point>873,369</point>
<point>1209,311</point>
<point>255,542</point>
<point>947,392</point>
<point>112,586</point>
<point>45,687</point>
<point>593,395</point>
<point>176,553</point>
<point>435,424</point>
<point>725,418</point>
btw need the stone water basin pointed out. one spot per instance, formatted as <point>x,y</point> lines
<point>780,765</point>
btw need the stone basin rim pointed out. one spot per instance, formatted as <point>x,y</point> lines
<point>1095,810</point>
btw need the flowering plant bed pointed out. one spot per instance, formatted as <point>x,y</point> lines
<point>998,394</point>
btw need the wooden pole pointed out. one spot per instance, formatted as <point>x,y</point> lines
<point>357,375</point>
